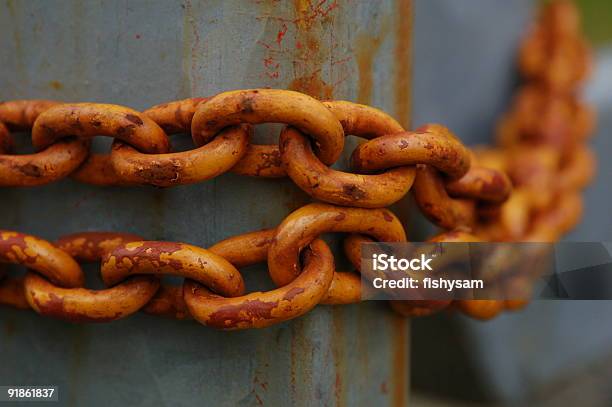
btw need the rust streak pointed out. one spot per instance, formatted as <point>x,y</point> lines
<point>399,376</point>
<point>403,62</point>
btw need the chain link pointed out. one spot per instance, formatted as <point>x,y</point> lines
<point>525,189</point>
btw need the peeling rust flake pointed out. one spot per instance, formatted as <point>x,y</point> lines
<point>387,216</point>
<point>354,192</point>
<point>54,307</point>
<point>134,119</point>
<point>147,251</point>
<point>231,316</point>
<point>247,105</point>
<point>291,294</point>
<point>30,170</point>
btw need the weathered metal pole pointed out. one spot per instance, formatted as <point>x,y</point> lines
<point>139,54</point>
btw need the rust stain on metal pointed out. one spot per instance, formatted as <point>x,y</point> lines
<point>233,315</point>
<point>56,85</point>
<point>339,354</point>
<point>312,85</point>
<point>383,388</point>
<point>310,52</point>
<point>367,45</point>
<point>262,369</point>
<point>399,356</point>
<point>297,45</point>
<point>403,62</point>
<point>301,363</point>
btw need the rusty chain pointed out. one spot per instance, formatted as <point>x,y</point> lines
<point>525,189</point>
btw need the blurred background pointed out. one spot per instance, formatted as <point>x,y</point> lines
<point>554,353</point>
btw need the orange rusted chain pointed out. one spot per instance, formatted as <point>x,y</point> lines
<point>159,258</point>
<point>543,136</point>
<point>555,52</point>
<point>261,160</point>
<point>345,288</point>
<point>6,141</point>
<point>483,184</point>
<point>258,160</point>
<point>188,167</point>
<point>252,248</point>
<point>12,293</point>
<point>245,249</point>
<point>271,105</point>
<point>430,144</point>
<point>168,302</point>
<point>480,309</point>
<point>457,235</point>
<point>543,139</point>
<point>535,169</point>
<point>21,114</point>
<point>540,115</point>
<point>419,308</point>
<point>84,305</point>
<point>342,188</point>
<point>258,310</point>
<point>362,120</point>
<point>172,117</point>
<point>337,187</point>
<point>515,305</point>
<point>53,163</point>
<point>435,203</point>
<point>40,255</point>
<point>577,170</point>
<point>87,120</point>
<point>175,117</point>
<point>91,246</point>
<point>200,164</point>
<point>584,121</point>
<point>356,119</point>
<point>351,246</point>
<point>512,220</point>
<point>308,222</point>
<point>551,224</point>
<point>98,170</point>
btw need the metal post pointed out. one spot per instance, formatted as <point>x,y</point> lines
<point>138,53</point>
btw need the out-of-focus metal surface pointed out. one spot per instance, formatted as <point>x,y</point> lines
<point>553,339</point>
<point>139,53</point>
<point>464,74</point>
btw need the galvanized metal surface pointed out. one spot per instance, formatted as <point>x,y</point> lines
<point>139,53</point>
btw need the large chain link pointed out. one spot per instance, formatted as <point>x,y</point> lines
<point>526,189</point>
